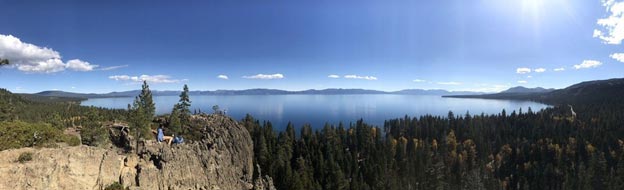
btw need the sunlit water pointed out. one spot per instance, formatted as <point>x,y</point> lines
<point>319,109</point>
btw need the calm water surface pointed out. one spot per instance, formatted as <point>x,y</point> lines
<point>318,109</point>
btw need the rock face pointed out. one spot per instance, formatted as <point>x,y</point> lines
<point>79,167</point>
<point>223,159</point>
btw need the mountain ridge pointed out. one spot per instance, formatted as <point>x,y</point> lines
<point>522,89</point>
<point>254,91</point>
<point>596,91</point>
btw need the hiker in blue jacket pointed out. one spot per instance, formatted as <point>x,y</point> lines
<point>161,136</point>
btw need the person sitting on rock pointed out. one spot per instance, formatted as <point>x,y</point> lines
<point>178,140</point>
<point>161,136</point>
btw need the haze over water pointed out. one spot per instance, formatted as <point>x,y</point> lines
<point>319,109</point>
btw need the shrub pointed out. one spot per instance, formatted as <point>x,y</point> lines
<point>115,186</point>
<point>72,140</point>
<point>94,135</point>
<point>18,134</point>
<point>25,157</point>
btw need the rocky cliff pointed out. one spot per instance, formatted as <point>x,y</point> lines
<point>223,159</point>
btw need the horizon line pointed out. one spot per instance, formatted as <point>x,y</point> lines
<point>311,89</point>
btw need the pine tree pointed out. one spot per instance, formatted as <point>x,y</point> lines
<point>598,164</point>
<point>146,101</point>
<point>183,106</point>
<point>473,180</point>
<point>215,108</point>
<point>92,133</point>
<point>261,150</point>
<point>435,175</point>
<point>6,111</point>
<point>619,174</point>
<point>174,120</point>
<point>585,177</point>
<point>181,113</point>
<point>142,112</point>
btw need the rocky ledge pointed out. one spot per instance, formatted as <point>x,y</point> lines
<point>223,159</point>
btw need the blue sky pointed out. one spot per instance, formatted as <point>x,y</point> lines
<point>481,45</point>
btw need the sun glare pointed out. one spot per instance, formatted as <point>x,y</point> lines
<point>538,8</point>
<point>532,8</point>
<point>538,13</point>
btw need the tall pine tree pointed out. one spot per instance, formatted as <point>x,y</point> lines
<point>184,106</point>
<point>181,112</point>
<point>142,112</point>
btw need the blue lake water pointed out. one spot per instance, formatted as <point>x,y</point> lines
<point>319,109</point>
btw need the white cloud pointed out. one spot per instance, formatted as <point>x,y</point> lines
<point>613,25</point>
<point>522,82</point>
<point>529,76</point>
<point>333,76</point>
<point>79,65</point>
<point>159,79</point>
<point>539,70</point>
<point>618,56</point>
<point>47,66</point>
<point>113,67</point>
<point>559,69</point>
<point>523,70</point>
<point>265,76</point>
<point>34,59</point>
<point>419,80</point>
<point>119,77</point>
<point>449,83</point>
<point>224,77</point>
<point>588,64</point>
<point>360,77</point>
<point>148,78</point>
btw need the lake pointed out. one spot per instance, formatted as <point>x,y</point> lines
<point>319,109</point>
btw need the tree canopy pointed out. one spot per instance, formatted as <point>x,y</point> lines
<point>517,150</point>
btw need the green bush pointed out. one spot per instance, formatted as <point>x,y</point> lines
<point>115,186</point>
<point>72,140</point>
<point>25,157</point>
<point>94,135</point>
<point>18,134</point>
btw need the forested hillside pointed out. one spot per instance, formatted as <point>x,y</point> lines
<point>594,93</point>
<point>41,121</point>
<point>511,150</point>
<point>577,144</point>
<point>59,111</point>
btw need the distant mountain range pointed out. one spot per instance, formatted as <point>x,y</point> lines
<point>521,89</point>
<point>599,91</point>
<point>258,91</point>
<point>609,91</point>
<point>434,92</point>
